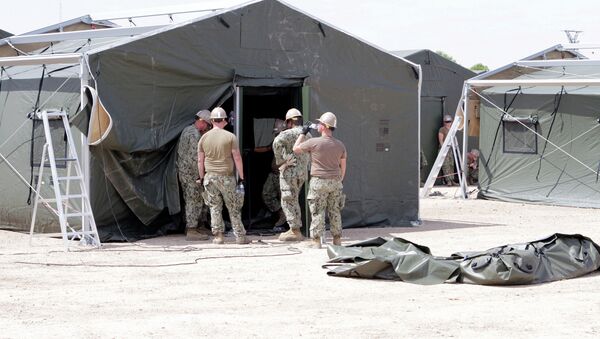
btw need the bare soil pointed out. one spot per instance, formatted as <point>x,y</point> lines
<point>167,287</point>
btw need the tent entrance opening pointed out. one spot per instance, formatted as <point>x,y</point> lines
<point>258,108</point>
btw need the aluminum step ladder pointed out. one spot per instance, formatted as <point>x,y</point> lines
<point>66,206</point>
<point>450,145</point>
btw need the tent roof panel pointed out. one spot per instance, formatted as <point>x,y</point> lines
<point>86,19</point>
<point>217,13</point>
<point>581,78</point>
<point>541,55</point>
<point>4,34</point>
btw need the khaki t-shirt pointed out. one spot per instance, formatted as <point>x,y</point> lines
<point>326,154</point>
<point>444,130</point>
<point>217,145</point>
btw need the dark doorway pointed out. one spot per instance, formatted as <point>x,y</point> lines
<point>259,107</point>
<point>432,111</point>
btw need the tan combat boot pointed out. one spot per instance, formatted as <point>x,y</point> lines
<point>218,239</point>
<point>243,240</point>
<point>293,234</point>
<point>204,230</point>
<point>337,240</point>
<point>315,243</point>
<point>192,234</point>
<point>281,219</point>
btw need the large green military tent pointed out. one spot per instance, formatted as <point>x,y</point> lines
<point>255,60</point>
<point>540,134</point>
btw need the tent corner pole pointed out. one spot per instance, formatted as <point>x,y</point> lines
<point>465,160</point>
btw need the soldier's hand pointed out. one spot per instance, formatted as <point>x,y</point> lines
<point>199,181</point>
<point>241,181</point>
<point>291,162</point>
<point>306,128</point>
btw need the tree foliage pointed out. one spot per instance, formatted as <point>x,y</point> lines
<point>479,68</point>
<point>446,55</point>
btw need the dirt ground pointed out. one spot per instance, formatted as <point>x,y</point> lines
<point>167,287</point>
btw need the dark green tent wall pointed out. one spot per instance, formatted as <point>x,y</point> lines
<point>153,84</point>
<point>441,88</point>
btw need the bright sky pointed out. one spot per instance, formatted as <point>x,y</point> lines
<point>493,32</point>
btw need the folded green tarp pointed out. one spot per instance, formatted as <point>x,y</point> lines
<point>559,256</point>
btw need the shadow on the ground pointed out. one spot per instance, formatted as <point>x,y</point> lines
<point>427,226</point>
<point>349,234</point>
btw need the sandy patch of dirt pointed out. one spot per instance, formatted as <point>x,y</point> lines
<point>167,287</point>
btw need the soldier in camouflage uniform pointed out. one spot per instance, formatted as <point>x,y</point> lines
<point>328,168</point>
<point>271,193</point>
<point>196,212</point>
<point>218,152</point>
<point>473,167</point>
<point>448,164</point>
<point>293,172</point>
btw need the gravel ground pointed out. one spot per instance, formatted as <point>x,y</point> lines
<point>167,287</point>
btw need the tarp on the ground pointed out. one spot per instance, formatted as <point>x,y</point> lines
<point>559,256</point>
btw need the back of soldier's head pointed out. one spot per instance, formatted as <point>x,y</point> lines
<point>294,117</point>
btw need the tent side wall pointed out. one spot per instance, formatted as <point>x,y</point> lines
<point>557,178</point>
<point>152,86</point>
<point>17,98</point>
<point>440,93</point>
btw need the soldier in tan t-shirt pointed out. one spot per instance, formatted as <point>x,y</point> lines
<point>218,151</point>
<point>328,168</point>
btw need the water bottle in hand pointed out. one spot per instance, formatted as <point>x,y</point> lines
<point>240,188</point>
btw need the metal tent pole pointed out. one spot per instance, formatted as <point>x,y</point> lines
<point>464,168</point>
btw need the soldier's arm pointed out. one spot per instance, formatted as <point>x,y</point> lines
<point>278,151</point>
<point>343,167</point>
<point>297,149</point>
<point>237,160</point>
<point>200,160</point>
<point>201,165</point>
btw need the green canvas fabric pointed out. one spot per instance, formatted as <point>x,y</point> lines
<point>153,84</point>
<point>567,177</point>
<point>556,257</point>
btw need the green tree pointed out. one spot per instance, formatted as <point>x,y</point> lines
<point>478,68</point>
<point>446,55</point>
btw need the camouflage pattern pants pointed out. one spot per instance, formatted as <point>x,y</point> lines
<point>325,194</point>
<point>221,188</point>
<point>473,175</point>
<point>196,212</point>
<point>270,192</point>
<point>448,167</point>
<point>290,189</point>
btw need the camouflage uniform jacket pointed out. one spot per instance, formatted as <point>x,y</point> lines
<point>187,151</point>
<point>283,149</point>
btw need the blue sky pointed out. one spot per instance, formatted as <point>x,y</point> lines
<point>491,32</point>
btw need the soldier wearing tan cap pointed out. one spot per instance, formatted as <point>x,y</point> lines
<point>218,153</point>
<point>196,211</point>
<point>328,168</point>
<point>293,172</point>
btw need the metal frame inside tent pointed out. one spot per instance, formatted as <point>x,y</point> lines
<point>81,59</point>
<point>479,82</point>
<point>74,59</point>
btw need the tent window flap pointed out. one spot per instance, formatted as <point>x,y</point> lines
<point>518,138</point>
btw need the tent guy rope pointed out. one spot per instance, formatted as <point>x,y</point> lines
<point>536,133</point>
